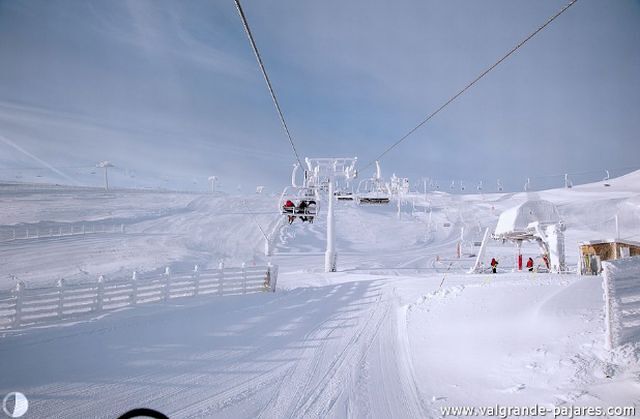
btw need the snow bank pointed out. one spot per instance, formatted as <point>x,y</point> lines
<point>621,283</point>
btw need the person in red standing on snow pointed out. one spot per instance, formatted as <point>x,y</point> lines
<point>494,265</point>
<point>530,265</point>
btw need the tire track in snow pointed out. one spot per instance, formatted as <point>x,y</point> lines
<point>323,390</point>
<point>281,404</point>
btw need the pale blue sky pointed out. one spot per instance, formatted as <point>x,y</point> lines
<point>172,87</point>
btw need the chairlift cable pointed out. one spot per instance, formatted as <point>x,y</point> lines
<point>266,79</point>
<point>474,81</point>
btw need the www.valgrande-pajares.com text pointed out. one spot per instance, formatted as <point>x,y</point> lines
<point>564,411</point>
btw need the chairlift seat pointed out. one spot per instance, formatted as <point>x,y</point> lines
<point>374,200</point>
<point>297,195</point>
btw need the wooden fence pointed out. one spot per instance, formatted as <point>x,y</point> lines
<point>26,306</point>
<point>621,283</point>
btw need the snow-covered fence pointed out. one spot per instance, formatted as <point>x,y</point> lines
<point>24,306</point>
<point>48,230</point>
<point>621,283</point>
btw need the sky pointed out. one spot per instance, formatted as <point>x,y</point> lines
<point>170,91</point>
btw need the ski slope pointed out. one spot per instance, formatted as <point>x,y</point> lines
<point>399,331</point>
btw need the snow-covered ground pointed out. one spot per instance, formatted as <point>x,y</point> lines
<point>399,331</point>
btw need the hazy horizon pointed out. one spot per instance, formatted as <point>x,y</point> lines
<point>170,91</point>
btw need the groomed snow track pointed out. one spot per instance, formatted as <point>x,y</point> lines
<point>310,352</point>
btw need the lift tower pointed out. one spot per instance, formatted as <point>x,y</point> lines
<point>322,174</point>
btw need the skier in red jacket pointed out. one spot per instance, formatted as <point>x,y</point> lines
<point>530,265</point>
<point>494,265</point>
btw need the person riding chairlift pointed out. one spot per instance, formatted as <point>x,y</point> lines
<point>311,211</point>
<point>302,209</point>
<point>288,208</point>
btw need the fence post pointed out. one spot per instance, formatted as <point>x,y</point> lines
<point>17,319</point>
<point>272,271</point>
<point>609,315</point>
<point>83,229</point>
<point>267,278</point>
<point>244,278</point>
<point>122,228</point>
<point>134,288</point>
<point>27,233</point>
<point>167,283</point>
<point>100,293</point>
<point>220,277</point>
<point>61,283</point>
<point>196,280</point>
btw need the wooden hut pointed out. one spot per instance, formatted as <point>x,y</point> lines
<point>593,252</point>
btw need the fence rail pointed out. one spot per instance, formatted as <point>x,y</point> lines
<point>46,230</point>
<point>621,284</point>
<point>24,306</point>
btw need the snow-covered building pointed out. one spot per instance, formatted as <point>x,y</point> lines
<point>534,221</point>
<point>593,252</point>
<point>513,223</point>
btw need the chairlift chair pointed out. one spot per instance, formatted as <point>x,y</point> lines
<point>344,195</point>
<point>296,196</point>
<point>372,191</point>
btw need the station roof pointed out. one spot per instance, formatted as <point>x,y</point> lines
<point>514,222</point>
<point>605,241</point>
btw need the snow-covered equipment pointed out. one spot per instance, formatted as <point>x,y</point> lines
<point>477,267</point>
<point>398,185</point>
<point>373,190</point>
<point>537,221</point>
<point>212,181</point>
<point>344,191</point>
<point>568,184</point>
<point>344,195</point>
<point>328,170</point>
<point>105,165</point>
<point>621,299</point>
<point>299,202</point>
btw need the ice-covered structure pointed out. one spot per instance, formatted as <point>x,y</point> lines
<point>535,220</point>
<point>514,222</point>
